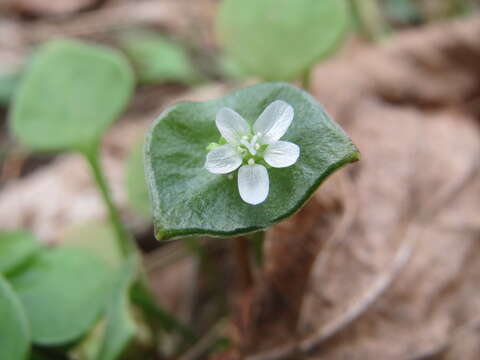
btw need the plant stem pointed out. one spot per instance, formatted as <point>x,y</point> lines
<point>369,19</point>
<point>143,297</point>
<point>243,261</point>
<point>124,241</point>
<point>307,79</point>
<point>258,239</point>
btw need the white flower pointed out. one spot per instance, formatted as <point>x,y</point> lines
<point>248,148</point>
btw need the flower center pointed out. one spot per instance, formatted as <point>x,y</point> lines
<point>249,144</point>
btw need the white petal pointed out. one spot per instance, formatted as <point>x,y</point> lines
<point>223,159</point>
<point>282,154</point>
<point>274,121</point>
<point>253,183</point>
<point>231,125</point>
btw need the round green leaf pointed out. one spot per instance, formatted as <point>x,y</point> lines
<point>97,237</point>
<point>158,60</point>
<point>14,331</point>
<point>63,292</point>
<point>70,94</point>
<point>189,200</point>
<point>136,186</point>
<point>15,249</point>
<point>281,39</point>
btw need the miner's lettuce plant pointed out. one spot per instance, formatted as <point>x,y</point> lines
<point>69,96</point>
<point>226,167</point>
<point>192,184</point>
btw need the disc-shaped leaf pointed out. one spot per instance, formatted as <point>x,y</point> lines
<point>189,200</point>
<point>97,237</point>
<point>157,59</point>
<point>69,95</point>
<point>63,292</point>
<point>281,39</point>
<point>14,331</point>
<point>16,248</point>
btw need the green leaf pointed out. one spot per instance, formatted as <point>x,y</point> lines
<point>189,200</point>
<point>97,237</point>
<point>16,248</point>
<point>136,185</point>
<point>281,39</point>
<point>71,93</point>
<point>120,328</point>
<point>231,70</point>
<point>14,331</point>
<point>158,60</point>
<point>63,291</point>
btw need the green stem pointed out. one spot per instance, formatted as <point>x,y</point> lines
<point>143,297</point>
<point>307,80</point>
<point>369,19</point>
<point>258,239</point>
<point>124,241</point>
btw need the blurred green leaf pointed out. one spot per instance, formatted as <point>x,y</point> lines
<point>14,330</point>
<point>70,94</point>
<point>16,248</point>
<point>281,39</point>
<point>136,185</point>
<point>63,291</point>
<point>231,69</point>
<point>188,200</point>
<point>120,325</point>
<point>158,60</point>
<point>98,238</point>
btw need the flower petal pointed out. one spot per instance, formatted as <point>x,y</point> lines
<point>281,154</point>
<point>253,183</point>
<point>223,159</point>
<point>231,125</point>
<point>274,121</point>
